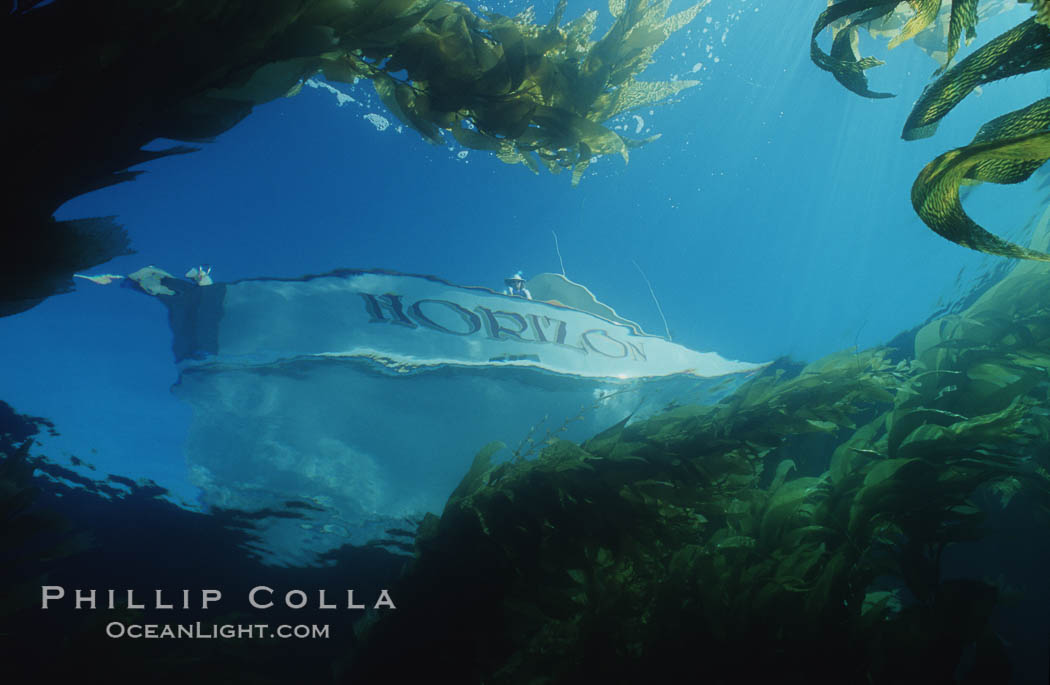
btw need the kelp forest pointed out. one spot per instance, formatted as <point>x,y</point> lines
<point>818,524</point>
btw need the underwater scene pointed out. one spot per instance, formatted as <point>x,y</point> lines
<point>549,342</point>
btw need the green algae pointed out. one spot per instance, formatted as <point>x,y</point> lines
<point>795,529</point>
<point>92,85</point>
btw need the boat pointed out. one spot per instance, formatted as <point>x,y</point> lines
<point>357,399</point>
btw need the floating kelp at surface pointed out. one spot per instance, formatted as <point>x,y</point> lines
<point>94,84</point>
<point>531,94</point>
<point>719,538</point>
<point>1006,150</point>
<point>844,62</point>
<point>936,26</point>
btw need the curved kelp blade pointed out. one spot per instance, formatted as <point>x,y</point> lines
<point>845,62</point>
<point>1020,50</point>
<point>1034,118</point>
<point>963,18</point>
<point>935,194</point>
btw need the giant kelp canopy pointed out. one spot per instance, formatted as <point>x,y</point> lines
<point>1007,149</point>
<point>89,84</point>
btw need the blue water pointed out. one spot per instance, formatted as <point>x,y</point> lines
<point>772,218</point>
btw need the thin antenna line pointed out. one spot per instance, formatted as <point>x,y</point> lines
<point>653,293</point>
<point>558,250</point>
